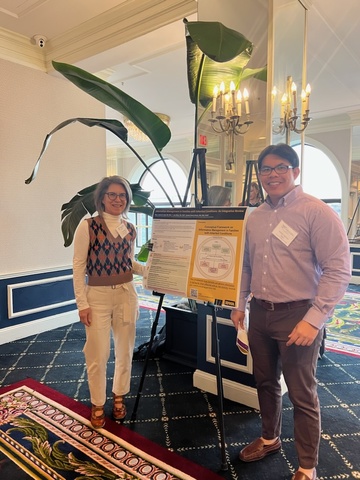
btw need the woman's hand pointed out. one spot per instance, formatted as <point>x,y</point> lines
<point>85,316</point>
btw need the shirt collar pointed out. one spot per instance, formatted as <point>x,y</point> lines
<point>288,198</point>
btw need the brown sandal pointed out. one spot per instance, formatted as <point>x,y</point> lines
<point>119,408</point>
<point>97,421</point>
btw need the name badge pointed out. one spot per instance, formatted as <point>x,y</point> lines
<point>284,233</point>
<point>122,230</point>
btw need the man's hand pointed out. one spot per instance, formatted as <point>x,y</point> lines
<point>303,334</point>
<point>85,316</point>
<point>237,318</point>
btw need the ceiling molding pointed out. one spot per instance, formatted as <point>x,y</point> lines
<point>116,27</point>
<point>19,49</point>
<point>112,28</point>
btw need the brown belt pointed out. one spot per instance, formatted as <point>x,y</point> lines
<point>281,306</point>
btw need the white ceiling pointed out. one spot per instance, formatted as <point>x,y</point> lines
<point>152,68</point>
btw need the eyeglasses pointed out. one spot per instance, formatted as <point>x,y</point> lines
<point>113,195</point>
<point>280,169</point>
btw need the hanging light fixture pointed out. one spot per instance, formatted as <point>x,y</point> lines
<point>226,112</point>
<point>135,132</point>
<point>289,110</point>
<point>227,115</point>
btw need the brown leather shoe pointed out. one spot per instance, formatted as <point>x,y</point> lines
<point>301,476</point>
<point>97,418</point>
<point>257,450</point>
<point>119,408</point>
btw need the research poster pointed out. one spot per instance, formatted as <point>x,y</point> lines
<point>197,253</point>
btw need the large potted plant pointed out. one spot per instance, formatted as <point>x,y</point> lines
<point>214,53</point>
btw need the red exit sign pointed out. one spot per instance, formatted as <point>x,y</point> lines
<point>203,140</point>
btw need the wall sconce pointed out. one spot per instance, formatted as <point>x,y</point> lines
<point>226,115</point>
<point>288,109</point>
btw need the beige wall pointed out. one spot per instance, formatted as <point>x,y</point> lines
<point>32,103</point>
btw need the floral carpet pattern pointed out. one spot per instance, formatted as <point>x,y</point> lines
<point>343,328</point>
<point>48,441</point>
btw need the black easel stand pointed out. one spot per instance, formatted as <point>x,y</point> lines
<point>216,343</point>
<point>353,217</point>
<point>197,169</point>
<point>148,353</point>
<point>250,165</point>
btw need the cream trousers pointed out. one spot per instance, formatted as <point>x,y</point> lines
<point>114,310</point>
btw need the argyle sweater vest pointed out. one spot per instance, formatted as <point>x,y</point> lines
<point>109,258</point>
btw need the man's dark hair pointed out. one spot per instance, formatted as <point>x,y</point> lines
<point>281,150</point>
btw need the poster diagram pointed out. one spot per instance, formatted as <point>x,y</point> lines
<point>215,258</point>
<point>197,253</point>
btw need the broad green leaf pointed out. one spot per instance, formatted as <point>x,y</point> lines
<point>147,121</point>
<point>83,204</point>
<point>226,54</point>
<point>218,42</point>
<point>113,126</point>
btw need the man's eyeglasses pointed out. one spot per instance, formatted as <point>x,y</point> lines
<point>280,169</point>
<point>113,195</point>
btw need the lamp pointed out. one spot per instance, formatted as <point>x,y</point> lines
<point>288,109</point>
<point>136,133</point>
<point>226,115</point>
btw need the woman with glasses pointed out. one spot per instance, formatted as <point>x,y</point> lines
<point>107,302</point>
<point>297,267</point>
<point>255,198</point>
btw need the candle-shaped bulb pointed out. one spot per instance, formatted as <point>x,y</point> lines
<point>233,98</point>
<point>283,103</point>
<point>293,91</point>
<point>303,102</point>
<point>238,103</point>
<point>308,91</point>
<point>273,93</point>
<point>222,91</point>
<point>227,100</point>
<point>215,95</point>
<point>246,99</point>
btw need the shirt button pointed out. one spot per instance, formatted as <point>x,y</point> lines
<point>267,240</point>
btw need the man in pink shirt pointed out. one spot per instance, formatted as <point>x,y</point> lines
<point>297,267</point>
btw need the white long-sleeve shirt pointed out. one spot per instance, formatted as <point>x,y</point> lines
<point>81,246</point>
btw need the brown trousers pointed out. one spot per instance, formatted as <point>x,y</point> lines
<point>268,334</point>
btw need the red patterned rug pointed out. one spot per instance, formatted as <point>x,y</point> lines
<point>46,435</point>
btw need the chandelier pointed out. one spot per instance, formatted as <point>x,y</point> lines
<point>226,112</point>
<point>227,115</point>
<point>289,110</point>
<point>135,132</point>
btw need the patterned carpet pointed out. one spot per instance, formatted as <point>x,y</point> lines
<point>48,436</point>
<point>343,328</point>
<point>179,417</point>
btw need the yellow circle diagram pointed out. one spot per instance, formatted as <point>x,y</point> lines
<point>215,257</point>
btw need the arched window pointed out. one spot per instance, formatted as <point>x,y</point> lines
<point>143,222</point>
<point>319,176</point>
<point>158,197</point>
